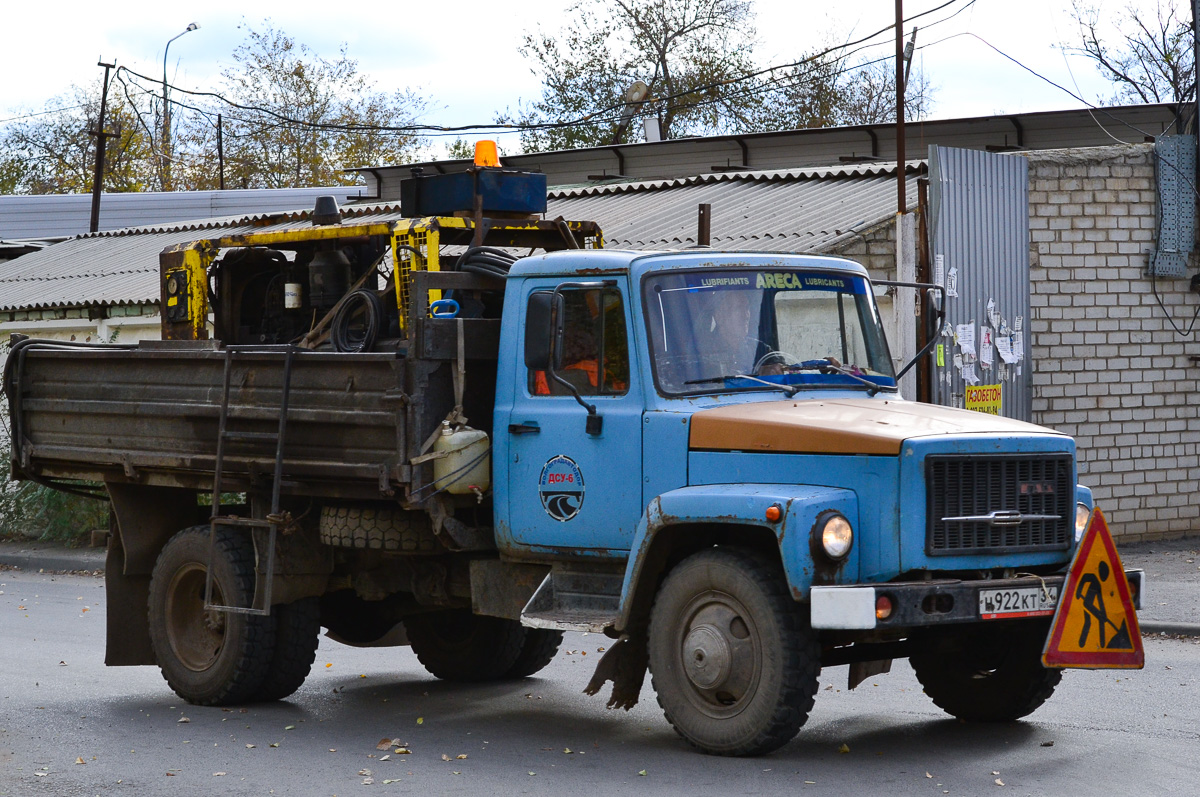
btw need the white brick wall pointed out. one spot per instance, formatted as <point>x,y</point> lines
<point>1108,368</point>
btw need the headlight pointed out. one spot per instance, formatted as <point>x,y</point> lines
<point>1082,515</point>
<point>835,535</point>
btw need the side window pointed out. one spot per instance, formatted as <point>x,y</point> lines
<point>595,356</point>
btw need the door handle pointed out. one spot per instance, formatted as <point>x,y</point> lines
<point>524,428</point>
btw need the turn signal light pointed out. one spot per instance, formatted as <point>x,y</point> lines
<point>774,513</point>
<point>883,607</point>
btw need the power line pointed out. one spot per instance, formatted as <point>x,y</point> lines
<point>594,117</point>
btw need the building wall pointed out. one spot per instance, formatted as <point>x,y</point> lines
<point>1108,367</point>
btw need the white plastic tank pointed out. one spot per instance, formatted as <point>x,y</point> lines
<point>454,472</point>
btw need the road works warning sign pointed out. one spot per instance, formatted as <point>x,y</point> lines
<point>1095,626</point>
<point>984,398</point>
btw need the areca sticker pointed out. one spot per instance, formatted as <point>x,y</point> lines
<point>561,488</point>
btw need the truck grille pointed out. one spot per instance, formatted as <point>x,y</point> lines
<point>998,504</point>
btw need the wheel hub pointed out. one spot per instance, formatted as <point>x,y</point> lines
<point>706,657</point>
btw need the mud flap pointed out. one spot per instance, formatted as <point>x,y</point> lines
<point>625,665</point>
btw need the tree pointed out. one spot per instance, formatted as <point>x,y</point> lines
<point>696,58</point>
<point>296,119</point>
<point>302,119</point>
<point>1152,59</point>
<point>53,152</point>
<point>689,53</point>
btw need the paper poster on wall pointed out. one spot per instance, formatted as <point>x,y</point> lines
<point>968,374</point>
<point>984,398</point>
<point>964,335</point>
<point>993,314</point>
<point>952,282</point>
<point>1001,371</point>
<point>1004,345</point>
<point>986,356</point>
<point>939,269</point>
<point>941,355</point>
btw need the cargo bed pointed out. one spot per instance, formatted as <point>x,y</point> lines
<point>149,414</point>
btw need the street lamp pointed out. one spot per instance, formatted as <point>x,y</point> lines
<point>166,131</point>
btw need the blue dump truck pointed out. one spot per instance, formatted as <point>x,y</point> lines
<point>393,428</point>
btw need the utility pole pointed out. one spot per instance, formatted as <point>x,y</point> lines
<point>901,198</point>
<point>102,137</point>
<point>220,155</point>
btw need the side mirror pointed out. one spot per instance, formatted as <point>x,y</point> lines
<point>544,321</point>
<point>933,314</point>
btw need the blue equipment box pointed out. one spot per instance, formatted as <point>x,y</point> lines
<point>503,190</point>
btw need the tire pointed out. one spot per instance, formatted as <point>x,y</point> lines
<point>732,659</point>
<point>209,658</point>
<point>539,649</point>
<point>992,674</point>
<point>297,632</point>
<point>460,646</point>
<point>380,527</point>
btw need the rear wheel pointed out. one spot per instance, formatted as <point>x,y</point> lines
<point>991,674</point>
<point>733,661</point>
<point>460,646</point>
<point>539,649</point>
<point>208,657</point>
<point>297,632</point>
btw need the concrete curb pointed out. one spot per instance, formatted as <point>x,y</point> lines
<point>1180,629</point>
<point>49,560</point>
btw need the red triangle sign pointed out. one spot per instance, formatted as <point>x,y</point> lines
<point>1095,625</point>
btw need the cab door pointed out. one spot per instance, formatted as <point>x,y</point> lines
<point>567,488</point>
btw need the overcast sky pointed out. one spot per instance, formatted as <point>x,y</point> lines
<point>463,54</point>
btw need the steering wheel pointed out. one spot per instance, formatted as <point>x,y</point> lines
<point>772,359</point>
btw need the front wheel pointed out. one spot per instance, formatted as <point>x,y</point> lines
<point>208,657</point>
<point>986,674</point>
<point>732,659</point>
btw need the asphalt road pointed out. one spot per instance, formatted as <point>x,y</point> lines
<point>70,726</point>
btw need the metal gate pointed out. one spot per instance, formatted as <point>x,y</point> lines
<point>979,247</point>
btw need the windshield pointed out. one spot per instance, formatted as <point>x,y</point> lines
<point>755,329</point>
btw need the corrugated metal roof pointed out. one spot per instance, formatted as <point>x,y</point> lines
<point>787,211</point>
<point>796,210</point>
<point>62,215</point>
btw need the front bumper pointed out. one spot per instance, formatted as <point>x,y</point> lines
<point>925,603</point>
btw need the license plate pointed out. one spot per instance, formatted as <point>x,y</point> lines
<point>1013,602</point>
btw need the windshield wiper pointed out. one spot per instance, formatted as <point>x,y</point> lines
<point>790,390</point>
<point>875,387</point>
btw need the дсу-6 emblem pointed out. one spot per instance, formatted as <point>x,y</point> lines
<point>561,488</point>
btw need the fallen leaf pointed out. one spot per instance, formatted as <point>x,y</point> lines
<point>532,773</point>
<point>845,748</point>
<point>170,774</point>
<point>79,760</point>
<point>274,744</point>
<point>445,757</point>
<point>928,775</point>
<point>455,772</point>
<point>461,756</point>
<point>64,664</point>
<point>289,727</point>
<point>250,747</point>
<point>384,757</point>
<point>182,720</point>
<point>393,780</point>
<point>44,774</point>
<point>368,781</point>
<point>1048,744</point>
<point>333,749</point>
<point>567,750</point>
<point>420,720</point>
<point>328,665</point>
<point>642,772</point>
<point>218,774</point>
<point>85,609</point>
<point>999,782</point>
<point>402,751</point>
<point>366,772</point>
